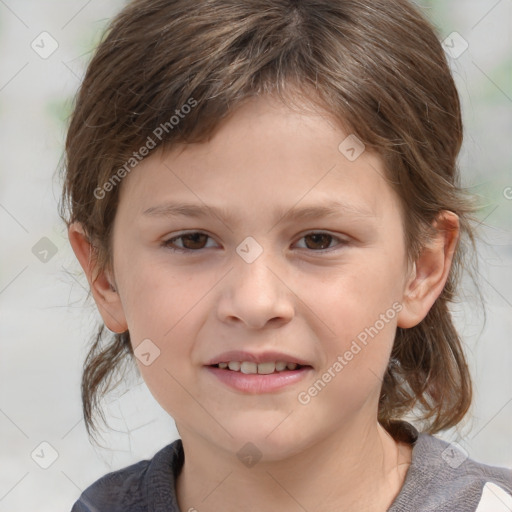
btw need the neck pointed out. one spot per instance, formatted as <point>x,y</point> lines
<point>361,468</point>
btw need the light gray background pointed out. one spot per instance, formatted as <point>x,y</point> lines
<point>45,326</point>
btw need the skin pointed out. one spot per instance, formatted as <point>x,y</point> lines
<point>299,296</point>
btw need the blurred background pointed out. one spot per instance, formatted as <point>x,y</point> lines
<point>46,323</point>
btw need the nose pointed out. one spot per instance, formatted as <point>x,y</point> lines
<point>256,294</point>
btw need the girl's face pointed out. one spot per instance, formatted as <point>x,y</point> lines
<point>262,273</point>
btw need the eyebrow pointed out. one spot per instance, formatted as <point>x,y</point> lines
<point>328,209</point>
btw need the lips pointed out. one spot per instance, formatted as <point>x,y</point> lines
<point>255,383</point>
<point>263,357</point>
<point>254,373</point>
<point>266,368</point>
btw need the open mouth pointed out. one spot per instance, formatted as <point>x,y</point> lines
<point>256,377</point>
<point>250,367</point>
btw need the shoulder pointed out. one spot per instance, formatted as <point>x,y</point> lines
<point>138,487</point>
<point>443,478</point>
<point>119,490</point>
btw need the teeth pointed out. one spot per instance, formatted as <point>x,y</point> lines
<point>266,368</point>
<point>249,367</point>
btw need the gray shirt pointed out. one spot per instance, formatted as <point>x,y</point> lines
<point>440,478</point>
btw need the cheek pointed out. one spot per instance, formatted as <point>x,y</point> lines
<point>356,293</point>
<point>362,312</point>
<point>360,306</point>
<point>157,297</point>
<point>170,374</point>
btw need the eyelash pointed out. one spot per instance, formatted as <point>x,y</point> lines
<point>167,243</point>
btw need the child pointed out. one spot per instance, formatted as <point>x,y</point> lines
<point>310,146</point>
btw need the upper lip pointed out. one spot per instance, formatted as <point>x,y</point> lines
<point>262,357</point>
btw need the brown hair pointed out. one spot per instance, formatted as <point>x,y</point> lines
<point>375,65</point>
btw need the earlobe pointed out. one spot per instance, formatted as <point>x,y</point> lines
<point>103,290</point>
<point>430,271</point>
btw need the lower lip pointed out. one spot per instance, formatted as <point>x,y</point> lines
<point>257,383</point>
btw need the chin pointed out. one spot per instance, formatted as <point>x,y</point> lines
<point>266,439</point>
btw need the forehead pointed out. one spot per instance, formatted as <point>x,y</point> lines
<point>263,155</point>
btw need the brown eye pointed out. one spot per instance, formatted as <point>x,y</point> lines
<point>319,240</point>
<point>190,241</point>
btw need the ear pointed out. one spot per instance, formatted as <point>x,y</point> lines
<point>102,286</point>
<point>430,271</point>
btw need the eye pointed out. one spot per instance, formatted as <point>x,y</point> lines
<point>320,241</point>
<point>192,242</point>
<point>195,241</point>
